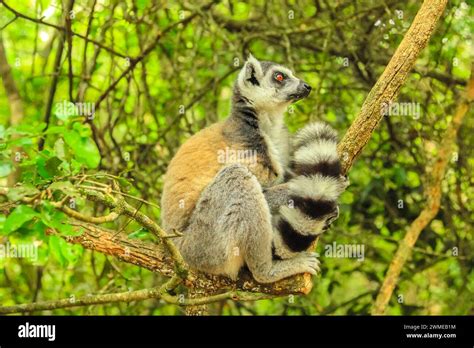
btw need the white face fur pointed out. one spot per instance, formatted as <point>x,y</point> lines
<point>270,87</point>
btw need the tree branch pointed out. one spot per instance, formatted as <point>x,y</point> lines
<point>161,292</point>
<point>57,69</point>
<point>149,49</point>
<point>163,257</point>
<point>433,199</point>
<point>60,28</point>
<point>385,91</point>
<point>389,83</point>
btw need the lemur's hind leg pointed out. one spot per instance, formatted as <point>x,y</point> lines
<point>231,226</point>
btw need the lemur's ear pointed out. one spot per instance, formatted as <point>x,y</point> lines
<point>252,72</point>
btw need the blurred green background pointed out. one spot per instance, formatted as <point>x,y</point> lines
<point>182,84</point>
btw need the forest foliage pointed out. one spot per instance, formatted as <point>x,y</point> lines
<point>114,95</point>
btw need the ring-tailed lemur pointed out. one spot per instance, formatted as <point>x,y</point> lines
<point>262,211</point>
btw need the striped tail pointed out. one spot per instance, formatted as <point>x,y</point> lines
<point>314,190</point>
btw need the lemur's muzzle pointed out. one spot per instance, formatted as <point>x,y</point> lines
<point>302,91</point>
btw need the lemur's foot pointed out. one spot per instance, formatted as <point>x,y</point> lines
<point>309,262</point>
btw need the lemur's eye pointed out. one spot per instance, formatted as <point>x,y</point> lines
<point>279,76</point>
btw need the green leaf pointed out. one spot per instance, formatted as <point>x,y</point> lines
<point>41,167</point>
<point>71,252</point>
<point>52,165</point>
<point>16,193</point>
<point>64,186</point>
<point>2,222</point>
<point>83,130</point>
<point>55,245</point>
<point>347,198</point>
<point>62,251</point>
<point>125,185</point>
<point>57,220</point>
<point>22,141</point>
<point>55,130</point>
<point>141,233</point>
<point>413,179</point>
<point>27,128</point>
<point>142,4</point>
<point>18,217</point>
<point>438,227</point>
<point>5,169</point>
<point>84,148</point>
<point>59,149</point>
<point>48,168</point>
<point>399,175</point>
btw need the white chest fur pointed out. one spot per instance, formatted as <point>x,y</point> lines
<point>276,138</point>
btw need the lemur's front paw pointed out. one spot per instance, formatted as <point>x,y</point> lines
<point>309,262</point>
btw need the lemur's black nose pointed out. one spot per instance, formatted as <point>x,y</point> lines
<point>306,86</point>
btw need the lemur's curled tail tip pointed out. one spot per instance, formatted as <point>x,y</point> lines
<point>314,190</point>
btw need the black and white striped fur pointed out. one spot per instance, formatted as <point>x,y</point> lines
<point>312,192</point>
<point>234,213</point>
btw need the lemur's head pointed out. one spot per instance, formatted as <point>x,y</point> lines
<point>270,86</point>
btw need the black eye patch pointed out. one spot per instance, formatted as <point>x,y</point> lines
<point>253,80</point>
